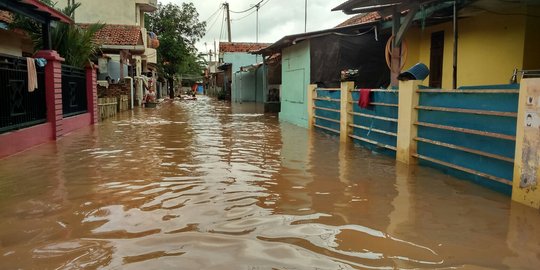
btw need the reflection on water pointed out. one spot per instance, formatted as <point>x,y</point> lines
<point>195,185</point>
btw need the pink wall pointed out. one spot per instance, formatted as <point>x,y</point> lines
<point>20,140</point>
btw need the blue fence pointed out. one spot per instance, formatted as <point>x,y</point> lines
<point>375,127</point>
<point>469,133</point>
<point>327,109</point>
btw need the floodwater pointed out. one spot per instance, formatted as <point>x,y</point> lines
<point>197,185</point>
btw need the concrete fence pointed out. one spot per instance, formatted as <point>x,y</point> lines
<point>476,133</point>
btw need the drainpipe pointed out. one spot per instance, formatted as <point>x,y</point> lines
<point>454,74</point>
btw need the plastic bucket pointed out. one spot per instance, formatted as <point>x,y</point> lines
<point>416,72</point>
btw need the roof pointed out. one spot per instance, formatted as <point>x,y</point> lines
<point>241,46</point>
<point>364,6</point>
<point>361,18</point>
<point>292,39</point>
<point>5,16</point>
<point>35,9</point>
<point>114,34</point>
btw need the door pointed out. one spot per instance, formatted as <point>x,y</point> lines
<point>436,59</point>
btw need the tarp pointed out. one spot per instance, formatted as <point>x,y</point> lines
<point>333,53</point>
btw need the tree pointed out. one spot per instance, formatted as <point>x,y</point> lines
<point>74,43</point>
<point>178,28</point>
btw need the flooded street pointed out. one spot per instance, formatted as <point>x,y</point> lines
<point>196,185</point>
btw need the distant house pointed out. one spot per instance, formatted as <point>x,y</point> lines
<point>246,78</point>
<point>319,57</point>
<point>13,42</point>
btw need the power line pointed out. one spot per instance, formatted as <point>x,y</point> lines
<point>246,10</point>
<point>222,22</point>
<point>213,14</point>
<point>213,23</point>
<point>245,16</point>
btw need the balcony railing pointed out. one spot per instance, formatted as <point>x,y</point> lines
<point>20,108</point>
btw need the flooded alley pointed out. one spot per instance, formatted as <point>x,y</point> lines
<point>198,185</point>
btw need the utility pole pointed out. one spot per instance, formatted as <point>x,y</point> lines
<point>228,20</point>
<point>305,17</point>
<point>257,23</point>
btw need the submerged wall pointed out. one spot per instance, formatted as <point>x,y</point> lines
<point>295,79</point>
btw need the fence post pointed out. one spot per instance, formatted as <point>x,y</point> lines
<point>407,116</point>
<point>311,95</point>
<point>346,108</point>
<point>91,93</point>
<point>527,155</point>
<point>53,90</point>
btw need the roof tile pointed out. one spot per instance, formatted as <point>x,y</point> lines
<point>113,34</point>
<point>241,46</point>
<point>360,19</point>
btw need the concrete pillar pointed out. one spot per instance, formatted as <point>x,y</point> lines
<point>91,93</point>
<point>53,90</point>
<point>527,156</point>
<point>407,116</point>
<point>311,95</point>
<point>346,108</point>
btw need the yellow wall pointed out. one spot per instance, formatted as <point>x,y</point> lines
<point>124,12</point>
<point>10,43</point>
<point>490,47</point>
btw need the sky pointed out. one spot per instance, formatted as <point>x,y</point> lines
<point>277,18</point>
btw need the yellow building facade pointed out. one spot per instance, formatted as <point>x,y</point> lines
<point>490,47</point>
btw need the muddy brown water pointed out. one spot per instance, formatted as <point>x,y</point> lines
<point>198,185</point>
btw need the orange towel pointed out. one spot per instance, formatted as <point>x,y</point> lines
<point>32,74</point>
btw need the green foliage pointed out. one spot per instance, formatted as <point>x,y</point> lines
<point>72,42</point>
<point>178,28</point>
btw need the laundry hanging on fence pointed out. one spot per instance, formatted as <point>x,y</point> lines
<point>32,74</point>
<point>364,99</point>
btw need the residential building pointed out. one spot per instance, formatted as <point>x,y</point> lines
<point>129,50</point>
<point>41,98</point>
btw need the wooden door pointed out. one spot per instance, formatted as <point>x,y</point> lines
<point>436,59</point>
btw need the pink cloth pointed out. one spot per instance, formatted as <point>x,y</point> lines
<point>32,74</point>
<point>364,100</point>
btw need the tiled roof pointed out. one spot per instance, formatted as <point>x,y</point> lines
<point>5,16</point>
<point>241,46</point>
<point>113,34</point>
<point>361,18</point>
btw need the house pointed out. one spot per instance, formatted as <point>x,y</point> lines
<point>243,82</point>
<point>41,98</point>
<point>128,49</point>
<point>493,38</point>
<point>319,57</point>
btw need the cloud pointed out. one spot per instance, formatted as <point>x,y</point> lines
<point>277,19</point>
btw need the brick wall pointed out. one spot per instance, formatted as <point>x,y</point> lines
<point>114,90</point>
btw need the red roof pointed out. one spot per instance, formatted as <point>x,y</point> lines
<point>113,34</point>
<point>241,46</point>
<point>5,16</point>
<point>361,18</point>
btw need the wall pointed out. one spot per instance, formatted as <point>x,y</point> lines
<point>10,43</point>
<point>112,12</point>
<point>295,79</point>
<point>490,47</point>
<point>240,59</point>
<point>248,86</point>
